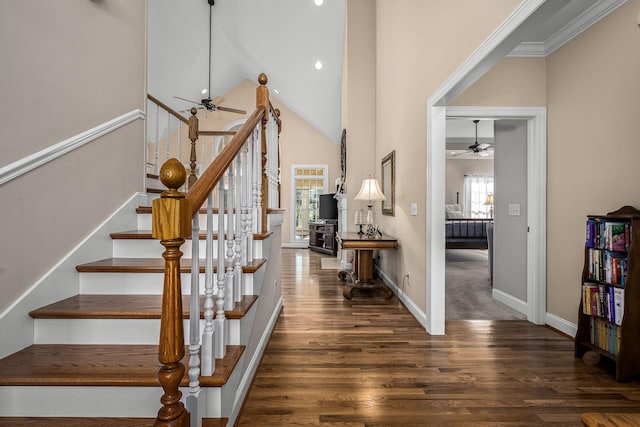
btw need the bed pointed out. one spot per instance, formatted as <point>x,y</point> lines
<point>464,233</point>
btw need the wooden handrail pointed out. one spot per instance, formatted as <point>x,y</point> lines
<point>206,183</point>
<point>217,132</point>
<point>168,109</point>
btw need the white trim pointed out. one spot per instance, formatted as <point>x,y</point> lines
<point>254,363</point>
<point>408,303</point>
<point>510,301</point>
<point>582,22</point>
<point>325,187</point>
<point>562,325</point>
<point>536,196</point>
<point>476,64</point>
<point>585,20</point>
<point>26,164</point>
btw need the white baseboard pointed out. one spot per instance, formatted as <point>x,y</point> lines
<point>510,301</point>
<point>254,363</point>
<point>560,324</point>
<point>295,245</point>
<point>415,311</point>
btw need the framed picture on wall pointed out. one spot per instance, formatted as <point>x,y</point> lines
<point>389,183</point>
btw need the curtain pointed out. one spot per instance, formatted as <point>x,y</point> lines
<point>476,190</point>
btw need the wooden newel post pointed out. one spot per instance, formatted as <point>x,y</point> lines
<point>193,136</point>
<point>171,224</point>
<point>262,100</point>
<point>277,111</point>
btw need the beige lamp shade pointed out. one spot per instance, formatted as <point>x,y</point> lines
<point>370,190</point>
<point>489,201</point>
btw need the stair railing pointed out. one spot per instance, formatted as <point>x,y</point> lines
<point>168,131</point>
<point>239,180</point>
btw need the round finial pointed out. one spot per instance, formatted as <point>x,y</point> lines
<point>173,175</point>
<point>277,111</point>
<point>193,111</point>
<point>262,79</point>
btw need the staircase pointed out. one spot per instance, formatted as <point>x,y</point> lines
<point>94,361</point>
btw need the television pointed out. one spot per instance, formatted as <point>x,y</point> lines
<point>328,207</point>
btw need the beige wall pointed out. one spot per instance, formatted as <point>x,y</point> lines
<point>74,65</point>
<point>593,96</point>
<point>514,82</point>
<point>419,44</point>
<point>359,98</point>
<point>300,143</point>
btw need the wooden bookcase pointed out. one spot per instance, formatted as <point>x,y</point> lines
<point>606,274</point>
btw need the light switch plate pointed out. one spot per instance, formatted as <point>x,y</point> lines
<point>414,209</point>
<point>514,210</point>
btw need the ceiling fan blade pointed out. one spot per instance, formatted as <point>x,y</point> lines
<point>484,154</point>
<point>217,100</point>
<point>188,100</point>
<point>230,110</point>
<point>189,109</point>
<point>483,146</point>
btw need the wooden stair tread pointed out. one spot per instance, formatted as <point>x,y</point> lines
<point>94,422</point>
<point>146,235</point>
<point>100,365</point>
<point>151,265</point>
<point>594,419</point>
<point>126,307</point>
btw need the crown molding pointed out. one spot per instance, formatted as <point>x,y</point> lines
<point>582,22</point>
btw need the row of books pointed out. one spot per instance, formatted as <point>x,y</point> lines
<point>607,266</point>
<point>603,301</point>
<point>605,335</point>
<point>609,235</point>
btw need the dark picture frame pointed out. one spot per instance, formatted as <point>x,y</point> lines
<point>388,174</point>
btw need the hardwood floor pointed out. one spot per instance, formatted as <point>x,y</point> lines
<point>368,362</point>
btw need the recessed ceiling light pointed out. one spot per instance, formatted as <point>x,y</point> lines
<point>318,2</point>
<point>204,91</point>
<point>318,65</point>
<point>276,91</point>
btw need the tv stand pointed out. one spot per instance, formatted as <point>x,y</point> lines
<point>322,237</point>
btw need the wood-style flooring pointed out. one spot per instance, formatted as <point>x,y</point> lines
<point>368,362</point>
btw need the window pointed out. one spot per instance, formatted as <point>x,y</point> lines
<point>476,190</point>
<point>309,181</point>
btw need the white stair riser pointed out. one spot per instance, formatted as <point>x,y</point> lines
<point>86,401</point>
<point>144,222</point>
<point>119,331</point>
<point>138,248</point>
<point>145,283</point>
<point>143,248</point>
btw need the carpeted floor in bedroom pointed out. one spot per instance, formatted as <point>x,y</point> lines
<point>468,289</point>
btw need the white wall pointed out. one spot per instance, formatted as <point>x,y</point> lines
<point>510,232</point>
<point>456,170</point>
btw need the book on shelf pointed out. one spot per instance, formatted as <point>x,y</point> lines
<point>606,302</point>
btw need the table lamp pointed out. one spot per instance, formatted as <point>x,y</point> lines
<point>370,191</point>
<point>489,202</point>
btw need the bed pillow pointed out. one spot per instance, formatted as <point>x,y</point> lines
<point>453,211</point>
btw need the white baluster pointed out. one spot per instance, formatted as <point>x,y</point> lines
<point>244,213</point>
<point>194,328</point>
<point>250,213</point>
<point>208,359</point>
<point>168,146</point>
<point>258,182</point>
<point>220,342</point>
<point>228,296</point>
<point>156,153</point>
<point>237,269</point>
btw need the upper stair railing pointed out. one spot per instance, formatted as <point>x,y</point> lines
<point>240,184</point>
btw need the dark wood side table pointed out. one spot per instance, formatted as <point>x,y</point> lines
<point>361,277</point>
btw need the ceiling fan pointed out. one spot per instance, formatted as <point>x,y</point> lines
<point>477,148</point>
<point>208,103</point>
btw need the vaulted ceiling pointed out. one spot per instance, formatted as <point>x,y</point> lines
<point>285,39</point>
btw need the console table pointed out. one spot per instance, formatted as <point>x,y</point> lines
<point>361,277</point>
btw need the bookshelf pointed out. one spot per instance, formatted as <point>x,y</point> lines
<point>608,317</point>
